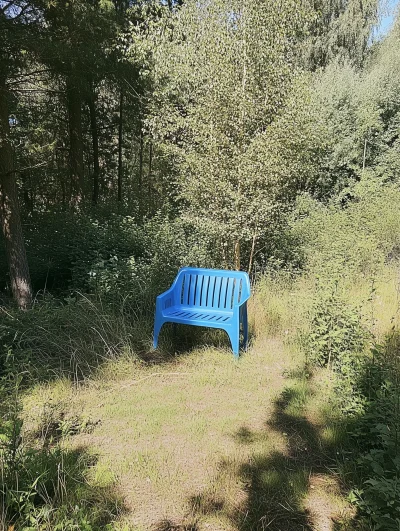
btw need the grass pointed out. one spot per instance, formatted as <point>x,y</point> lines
<point>55,488</point>
<point>195,440</point>
<point>189,438</point>
<point>165,430</point>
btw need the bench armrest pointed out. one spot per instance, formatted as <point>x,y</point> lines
<point>237,308</point>
<point>166,299</point>
<point>243,301</point>
<point>238,305</point>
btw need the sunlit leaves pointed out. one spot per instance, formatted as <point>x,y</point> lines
<point>223,72</point>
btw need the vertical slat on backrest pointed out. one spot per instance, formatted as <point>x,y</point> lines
<point>217,292</point>
<point>179,287</point>
<point>204,291</point>
<point>199,288</point>
<point>229,290</point>
<point>237,292</point>
<point>232,299</point>
<point>222,297</point>
<point>186,287</point>
<point>210,294</point>
<point>192,289</point>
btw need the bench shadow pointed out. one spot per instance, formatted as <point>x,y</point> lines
<point>174,341</point>
<point>180,340</point>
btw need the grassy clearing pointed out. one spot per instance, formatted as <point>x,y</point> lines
<point>164,431</point>
<point>188,438</point>
<point>198,441</point>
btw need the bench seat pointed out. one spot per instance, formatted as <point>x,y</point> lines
<point>186,315</point>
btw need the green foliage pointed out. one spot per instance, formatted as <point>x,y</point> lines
<point>45,488</point>
<point>49,490</point>
<point>218,111</point>
<point>352,242</point>
<point>337,336</point>
<point>151,255</point>
<point>376,436</point>
<point>356,240</point>
<point>341,30</point>
<point>335,99</point>
<point>109,254</point>
<point>361,111</point>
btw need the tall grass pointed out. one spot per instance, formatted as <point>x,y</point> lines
<point>71,338</point>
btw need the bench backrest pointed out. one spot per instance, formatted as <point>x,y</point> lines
<point>211,288</point>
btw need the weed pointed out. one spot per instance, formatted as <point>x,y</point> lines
<point>337,335</point>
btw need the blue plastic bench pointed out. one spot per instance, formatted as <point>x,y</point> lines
<point>206,297</point>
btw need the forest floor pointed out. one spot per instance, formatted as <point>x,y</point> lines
<point>200,441</point>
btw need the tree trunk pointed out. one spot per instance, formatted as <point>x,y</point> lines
<point>9,212</point>
<point>120,139</point>
<point>149,183</point>
<point>26,191</point>
<point>95,142</point>
<point>75,140</point>
<point>253,247</point>
<point>140,194</point>
<point>237,255</point>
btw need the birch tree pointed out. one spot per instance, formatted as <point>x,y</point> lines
<point>224,71</point>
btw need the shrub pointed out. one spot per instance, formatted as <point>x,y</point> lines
<point>336,335</point>
<point>353,239</point>
<point>377,436</point>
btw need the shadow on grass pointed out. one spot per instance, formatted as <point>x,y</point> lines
<point>274,485</point>
<point>55,489</point>
<point>174,341</point>
<point>358,450</point>
<point>180,340</point>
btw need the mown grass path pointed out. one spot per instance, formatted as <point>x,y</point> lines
<point>203,442</point>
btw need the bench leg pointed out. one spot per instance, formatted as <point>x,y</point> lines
<point>233,334</point>
<point>245,327</point>
<point>157,327</point>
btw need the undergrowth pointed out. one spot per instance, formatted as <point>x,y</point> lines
<point>47,486</point>
<point>354,337</point>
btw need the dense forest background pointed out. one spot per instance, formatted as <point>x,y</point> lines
<point>137,137</point>
<point>124,121</point>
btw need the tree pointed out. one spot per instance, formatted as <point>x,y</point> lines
<point>13,22</point>
<point>379,110</point>
<point>336,92</point>
<point>216,96</point>
<point>341,29</point>
<point>361,110</point>
<point>73,45</point>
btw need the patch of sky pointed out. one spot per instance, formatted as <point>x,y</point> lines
<point>389,10</point>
